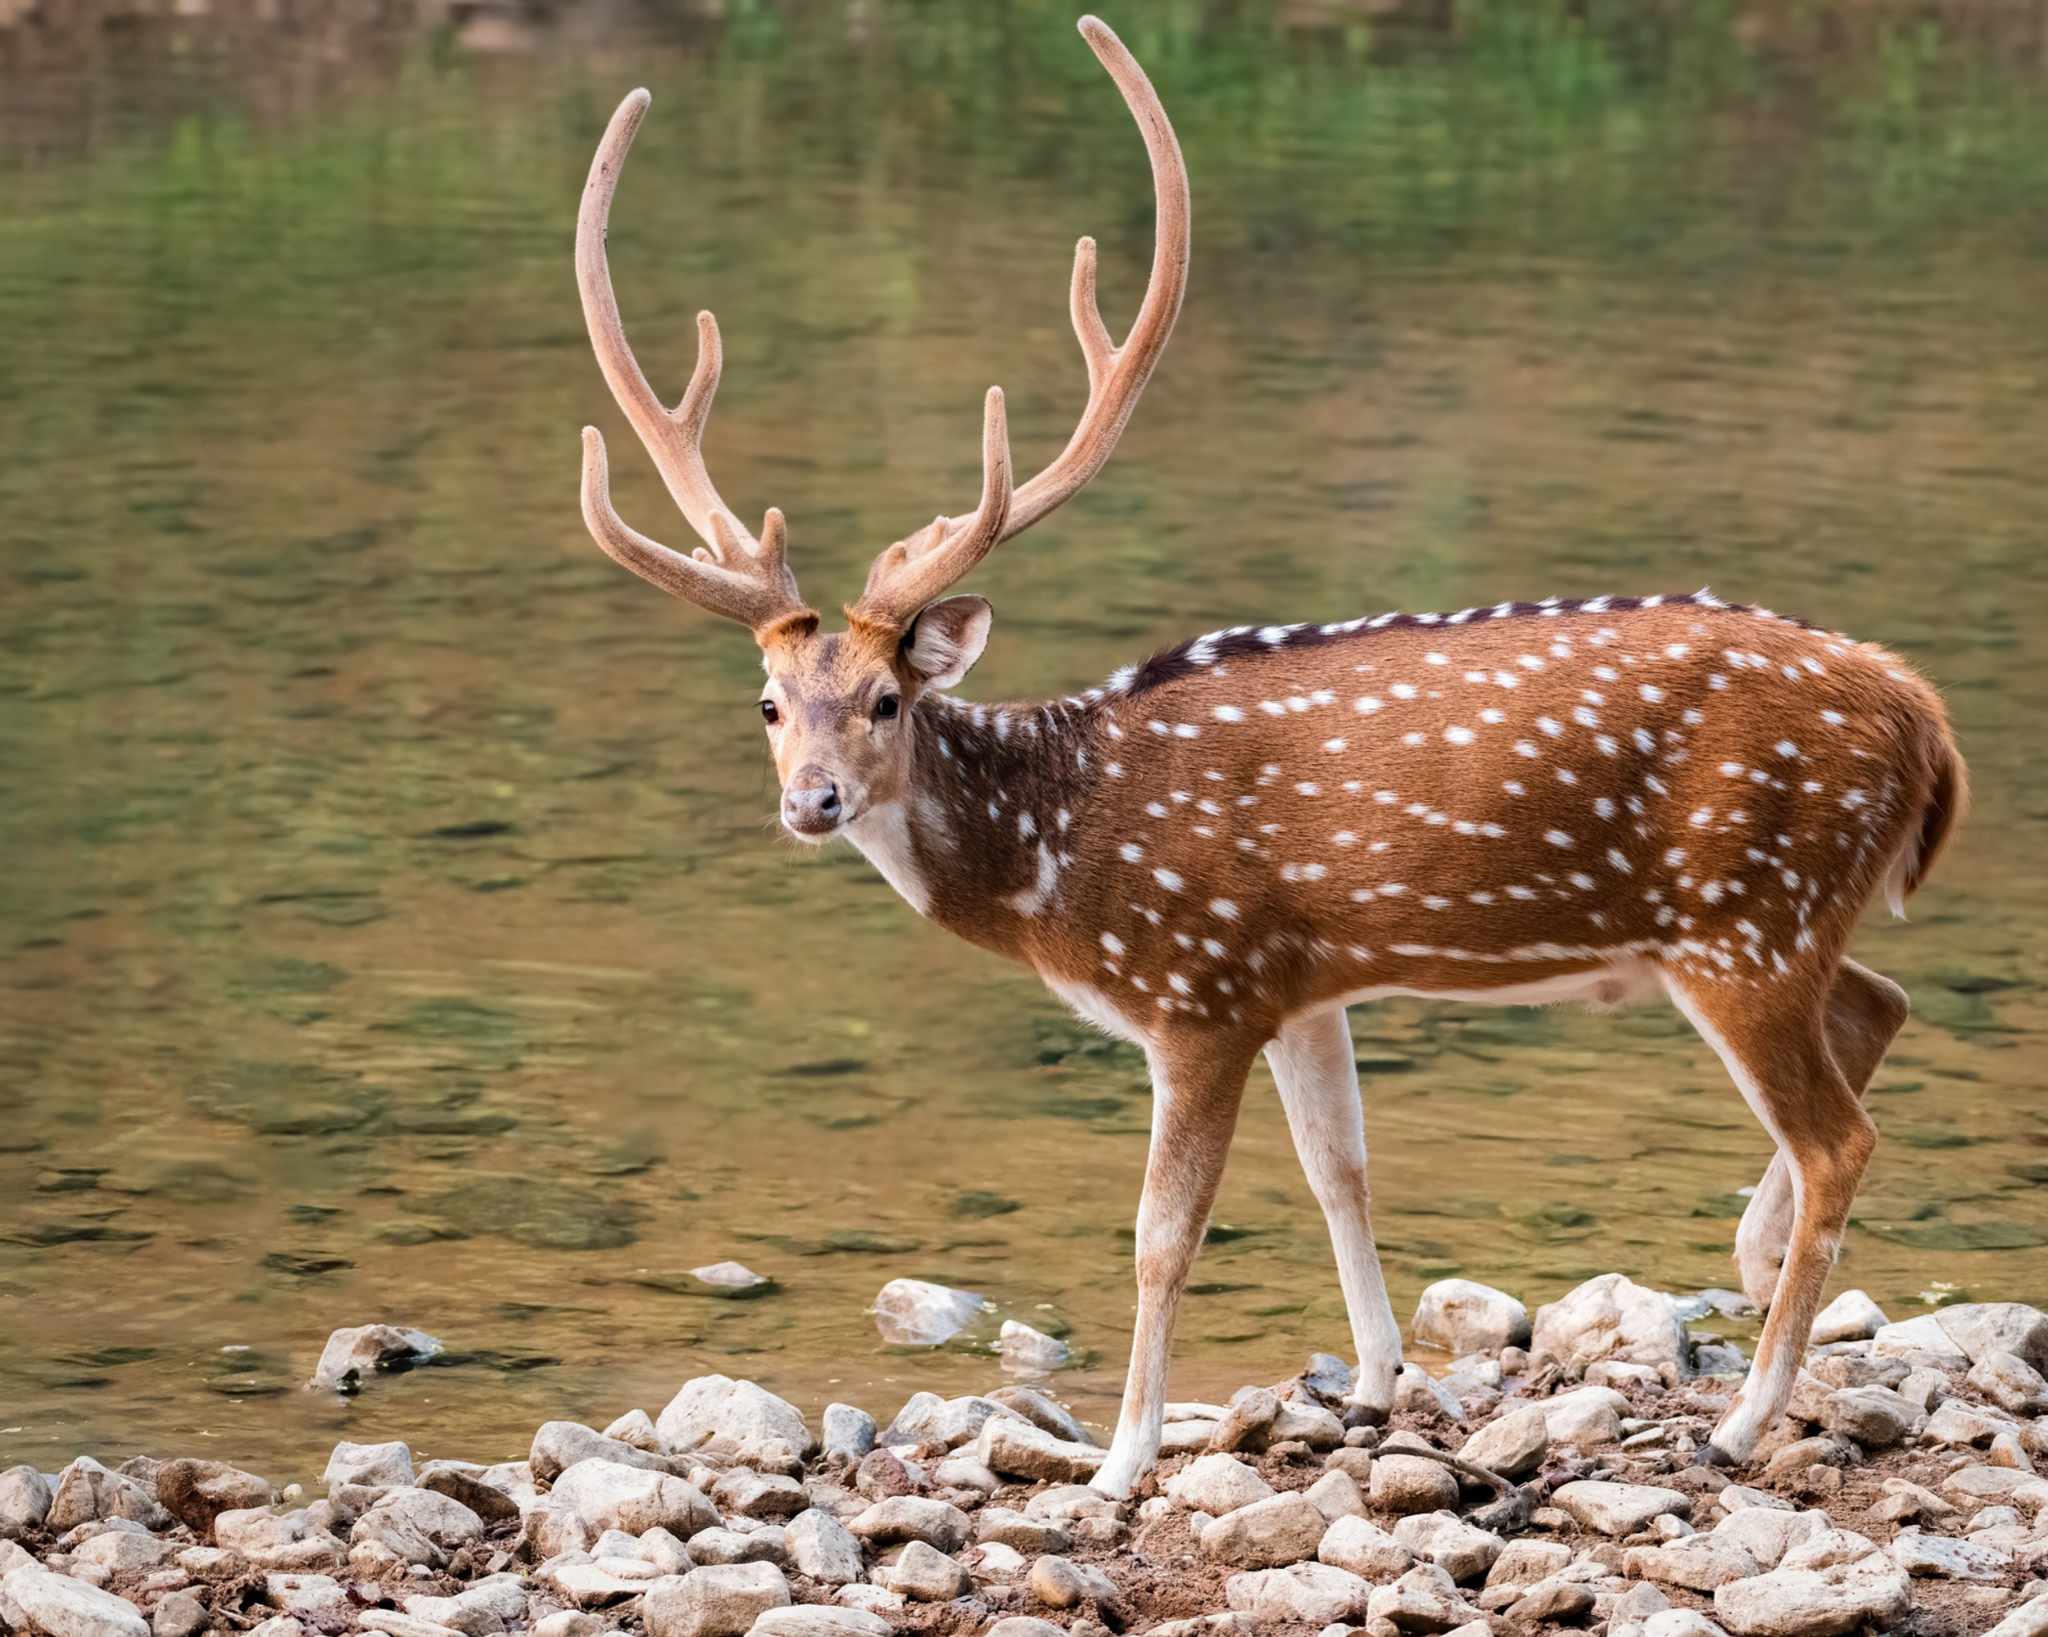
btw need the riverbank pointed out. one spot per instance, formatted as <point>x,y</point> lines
<point>1547,1481</point>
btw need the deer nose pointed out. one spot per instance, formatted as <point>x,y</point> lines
<point>810,805</point>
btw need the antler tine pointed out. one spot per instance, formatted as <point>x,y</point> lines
<point>732,573</point>
<point>920,567</point>
<point>1117,374</point>
<point>912,572</point>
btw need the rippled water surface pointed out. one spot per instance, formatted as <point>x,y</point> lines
<point>392,922</point>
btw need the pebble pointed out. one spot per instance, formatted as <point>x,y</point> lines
<point>1028,1350</point>
<point>352,1357</point>
<point>1511,1444</point>
<point>823,1548</point>
<point>923,1574</point>
<point>1462,1316</point>
<point>913,1518</point>
<point>1266,1534</point>
<point>376,1466</point>
<point>1063,1584</point>
<point>1617,1510</point>
<point>1363,1548</point>
<point>1314,1593</point>
<point>67,1607</point>
<point>1019,1449</point>
<point>849,1432</point>
<point>915,1313</point>
<point>1409,1483</point>
<point>1851,1316</point>
<point>1217,1484</point>
<point>1460,1550</point>
<point>1829,1597</point>
<point>723,1600</point>
<point>1611,1316</point>
<point>718,1408</point>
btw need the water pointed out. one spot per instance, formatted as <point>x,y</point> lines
<point>393,922</point>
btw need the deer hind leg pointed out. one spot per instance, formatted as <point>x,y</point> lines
<point>1774,1040</point>
<point>1196,1088</point>
<point>1317,1075</point>
<point>1865,1010</point>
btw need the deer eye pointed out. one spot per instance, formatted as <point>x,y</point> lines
<point>887,706</point>
<point>768,711</point>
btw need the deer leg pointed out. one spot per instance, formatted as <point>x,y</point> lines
<point>1317,1075</point>
<point>1196,1088</point>
<point>1864,1011</point>
<point>1775,1044</point>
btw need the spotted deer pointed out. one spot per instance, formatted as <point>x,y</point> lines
<point>1217,851</point>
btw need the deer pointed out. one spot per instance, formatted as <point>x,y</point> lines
<point>1217,851</point>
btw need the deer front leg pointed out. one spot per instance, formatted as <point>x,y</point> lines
<point>1197,1084</point>
<point>1317,1075</point>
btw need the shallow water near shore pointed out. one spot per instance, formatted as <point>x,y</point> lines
<point>393,922</point>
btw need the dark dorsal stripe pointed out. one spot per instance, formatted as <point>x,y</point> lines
<point>1203,653</point>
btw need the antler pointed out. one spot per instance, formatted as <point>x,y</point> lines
<point>732,573</point>
<point>914,570</point>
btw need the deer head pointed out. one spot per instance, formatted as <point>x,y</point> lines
<point>836,705</point>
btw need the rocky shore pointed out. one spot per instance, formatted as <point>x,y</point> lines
<point>1546,1481</point>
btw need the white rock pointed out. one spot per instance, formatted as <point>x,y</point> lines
<point>1585,1418</point>
<point>816,1620</point>
<point>723,1600</point>
<point>373,1466</point>
<point>1617,1510</point>
<point>607,1495</point>
<point>1216,1484</point>
<point>1028,1350</point>
<point>415,1526</point>
<point>271,1540</point>
<point>1980,1328</point>
<point>1411,1483</point>
<point>1336,1495</point>
<point>1919,1341</point>
<point>913,1517</point>
<point>1423,1599</point>
<point>2010,1382</point>
<point>1418,1392</point>
<point>1364,1548</point>
<point>1266,1534</point>
<point>1461,1316</point>
<point>1313,1593</point>
<point>924,1574</point>
<point>915,1313</point>
<point>64,1607</point>
<point>731,1412</point>
<point>85,1492</point>
<point>1611,1317</point>
<point>728,1278</point>
<point>1697,1562</point>
<point>824,1548</point>
<point>352,1356</point>
<point>1020,1449</point>
<point>1798,1602</point>
<point>1851,1316</point>
<point>1939,1557</point>
<point>1310,1424</point>
<point>1514,1443</point>
<point>1767,1533</point>
<point>1460,1550</point>
<point>2030,1619</point>
<point>1681,1623</point>
<point>24,1501</point>
<point>120,1552</point>
<point>1524,1562</point>
<point>1876,1417</point>
<point>635,1428</point>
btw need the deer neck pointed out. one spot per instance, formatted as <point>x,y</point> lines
<point>979,841</point>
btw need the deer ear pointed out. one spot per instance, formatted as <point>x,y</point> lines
<point>945,640</point>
